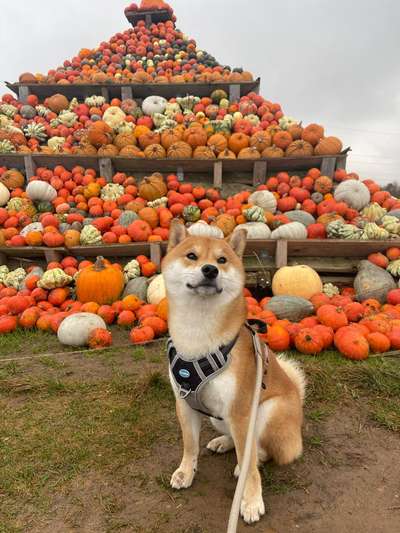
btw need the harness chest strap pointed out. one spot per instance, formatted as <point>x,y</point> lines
<point>191,376</point>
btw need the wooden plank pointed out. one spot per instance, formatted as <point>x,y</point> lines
<point>155,254</point>
<point>328,166</point>
<point>3,258</point>
<point>106,168</point>
<point>259,173</point>
<point>339,281</point>
<point>336,248</point>
<point>281,256</point>
<point>126,93</point>
<point>168,90</point>
<point>341,163</point>
<point>218,175</point>
<point>23,93</point>
<point>334,265</point>
<point>234,92</point>
<point>53,256</point>
<point>105,93</point>
<point>30,167</point>
<point>113,250</point>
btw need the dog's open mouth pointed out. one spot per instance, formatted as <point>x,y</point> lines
<point>205,288</point>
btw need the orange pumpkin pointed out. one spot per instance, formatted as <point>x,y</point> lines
<point>238,141</point>
<point>203,152</point>
<point>169,137</point>
<point>99,134</point>
<point>150,137</point>
<point>249,153</point>
<point>196,136</point>
<point>180,150</point>
<point>227,154</point>
<point>282,139</point>
<point>150,216</point>
<point>155,151</point>
<point>218,143</point>
<point>313,134</point>
<point>152,188</point>
<point>261,140</point>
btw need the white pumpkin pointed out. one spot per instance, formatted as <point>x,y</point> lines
<point>35,226</point>
<point>264,199</point>
<point>41,191</point>
<point>154,104</point>
<point>114,117</point>
<point>4,195</point>
<point>202,229</point>
<point>156,290</point>
<point>75,330</point>
<point>255,230</point>
<point>354,193</point>
<point>293,231</point>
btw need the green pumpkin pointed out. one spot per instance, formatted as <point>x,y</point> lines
<point>126,218</point>
<point>45,207</point>
<point>218,95</point>
<point>191,213</point>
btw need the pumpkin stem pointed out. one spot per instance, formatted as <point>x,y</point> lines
<point>99,264</point>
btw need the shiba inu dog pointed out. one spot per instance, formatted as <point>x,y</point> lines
<point>204,280</point>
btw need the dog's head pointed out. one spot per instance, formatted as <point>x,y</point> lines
<point>203,267</point>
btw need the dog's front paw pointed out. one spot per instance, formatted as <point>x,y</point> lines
<point>182,479</point>
<point>236,472</point>
<point>252,510</point>
<point>221,444</point>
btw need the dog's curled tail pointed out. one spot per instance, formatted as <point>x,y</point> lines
<point>295,373</point>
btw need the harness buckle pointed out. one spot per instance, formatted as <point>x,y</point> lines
<point>183,393</point>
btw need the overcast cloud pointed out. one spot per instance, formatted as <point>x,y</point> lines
<point>335,63</point>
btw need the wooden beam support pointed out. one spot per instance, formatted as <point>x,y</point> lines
<point>30,166</point>
<point>53,256</point>
<point>105,93</point>
<point>259,173</point>
<point>234,92</point>
<point>328,166</point>
<point>126,93</point>
<point>281,254</point>
<point>106,168</point>
<point>180,173</point>
<point>23,93</point>
<point>3,258</point>
<point>341,163</point>
<point>218,175</point>
<point>148,19</point>
<point>155,254</point>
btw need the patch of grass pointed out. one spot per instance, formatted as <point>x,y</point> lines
<point>315,441</point>
<point>278,480</point>
<point>49,362</point>
<point>318,415</point>
<point>138,354</point>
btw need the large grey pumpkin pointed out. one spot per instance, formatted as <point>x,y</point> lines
<point>137,287</point>
<point>372,282</point>
<point>75,330</point>
<point>292,308</point>
<point>301,216</point>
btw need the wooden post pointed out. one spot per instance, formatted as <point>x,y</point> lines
<point>341,162</point>
<point>105,94</point>
<point>180,174</point>
<point>328,166</point>
<point>126,93</point>
<point>218,175</point>
<point>53,256</point>
<point>259,173</point>
<point>23,93</point>
<point>281,254</point>
<point>3,258</point>
<point>149,20</point>
<point>234,92</point>
<point>106,168</point>
<point>155,254</point>
<point>30,166</point>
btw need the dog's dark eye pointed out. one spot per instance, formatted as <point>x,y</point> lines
<point>192,257</point>
<point>222,260</point>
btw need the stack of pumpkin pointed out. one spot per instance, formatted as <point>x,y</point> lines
<point>72,208</point>
<point>85,297</point>
<point>309,317</point>
<point>156,54</point>
<point>203,128</point>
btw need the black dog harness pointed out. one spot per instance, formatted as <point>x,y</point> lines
<point>191,376</point>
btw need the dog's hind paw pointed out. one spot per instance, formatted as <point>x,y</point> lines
<point>181,479</point>
<point>221,444</point>
<point>253,510</point>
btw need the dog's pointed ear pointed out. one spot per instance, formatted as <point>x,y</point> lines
<point>177,234</point>
<point>238,241</point>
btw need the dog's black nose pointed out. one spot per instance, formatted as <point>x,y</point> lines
<point>210,271</point>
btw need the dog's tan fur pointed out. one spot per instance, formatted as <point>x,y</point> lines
<point>200,322</point>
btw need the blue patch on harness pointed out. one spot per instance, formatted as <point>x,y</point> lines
<point>184,373</point>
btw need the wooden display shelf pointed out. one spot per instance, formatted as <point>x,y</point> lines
<point>132,90</point>
<point>153,16</point>
<point>216,171</point>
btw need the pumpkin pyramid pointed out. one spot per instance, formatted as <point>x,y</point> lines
<point>156,53</point>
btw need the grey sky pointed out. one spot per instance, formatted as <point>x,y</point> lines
<point>335,63</point>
